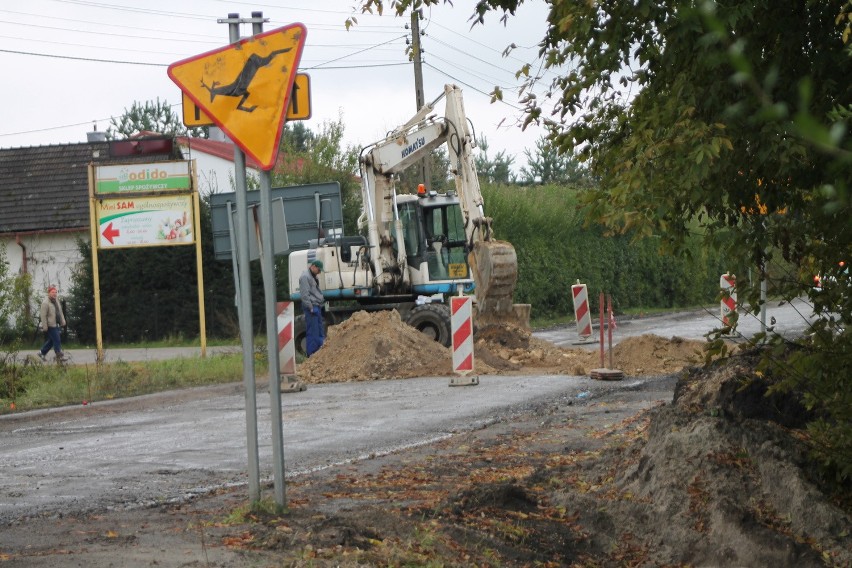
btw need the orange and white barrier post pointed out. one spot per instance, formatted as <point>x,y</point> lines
<point>461,324</point>
<point>728,285</point>
<point>287,348</point>
<point>581,311</point>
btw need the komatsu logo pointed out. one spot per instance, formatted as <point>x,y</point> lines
<point>416,145</point>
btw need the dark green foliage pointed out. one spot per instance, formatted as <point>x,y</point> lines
<point>496,170</point>
<point>729,118</point>
<point>17,313</point>
<point>548,165</point>
<point>151,116</point>
<point>321,158</point>
<point>151,293</point>
<point>439,174</point>
<point>146,293</point>
<point>13,371</point>
<point>555,248</point>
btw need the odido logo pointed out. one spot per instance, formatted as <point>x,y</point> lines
<point>142,174</point>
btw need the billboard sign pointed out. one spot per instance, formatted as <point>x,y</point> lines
<point>157,176</point>
<point>145,221</point>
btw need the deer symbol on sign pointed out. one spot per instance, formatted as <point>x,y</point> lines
<point>239,87</point>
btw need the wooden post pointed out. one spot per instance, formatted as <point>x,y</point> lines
<point>601,303</point>
<point>609,328</point>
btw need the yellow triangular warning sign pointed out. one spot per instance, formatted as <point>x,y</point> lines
<point>245,87</point>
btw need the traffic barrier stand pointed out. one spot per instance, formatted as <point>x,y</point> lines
<point>728,285</point>
<point>287,349</point>
<point>606,373</point>
<point>461,325</point>
<point>582,313</point>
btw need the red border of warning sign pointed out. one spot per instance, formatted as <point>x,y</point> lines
<point>284,104</point>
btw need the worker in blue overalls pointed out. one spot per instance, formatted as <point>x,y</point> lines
<point>312,303</point>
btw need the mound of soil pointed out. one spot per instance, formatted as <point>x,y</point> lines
<point>379,345</point>
<point>375,346</point>
<point>717,478</point>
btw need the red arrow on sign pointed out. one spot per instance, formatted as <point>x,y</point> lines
<point>109,233</point>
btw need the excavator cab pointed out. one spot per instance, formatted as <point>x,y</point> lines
<point>446,254</point>
<point>435,244</point>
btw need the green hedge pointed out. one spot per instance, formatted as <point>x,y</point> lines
<point>556,247</point>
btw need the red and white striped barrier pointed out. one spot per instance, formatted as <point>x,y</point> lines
<point>461,324</point>
<point>728,283</point>
<point>286,341</point>
<point>581,310</point>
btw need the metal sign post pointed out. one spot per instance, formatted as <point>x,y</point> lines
<point>268,267</point>
<point>245,89</point>
<point>244,299</point>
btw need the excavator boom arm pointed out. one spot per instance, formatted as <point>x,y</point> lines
<point>493,263</point>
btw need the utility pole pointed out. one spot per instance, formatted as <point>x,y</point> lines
<point>416,55</point>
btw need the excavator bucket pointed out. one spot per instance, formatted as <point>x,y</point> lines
<point>494,265</point>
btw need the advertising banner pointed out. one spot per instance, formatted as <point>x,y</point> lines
<point>158,176</point>
<point>145,221</point>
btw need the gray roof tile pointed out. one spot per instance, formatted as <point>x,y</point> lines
<point>46,188</point>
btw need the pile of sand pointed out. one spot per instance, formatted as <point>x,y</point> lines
<point>373,346</point>
<point>379,345</point>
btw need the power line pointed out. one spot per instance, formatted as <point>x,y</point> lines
<point>170,14</point>
<point>94,23</point>
<point>92,59</point>
<point>155,12</point>
<point>481,77</point>
<point>468,54</point>
<point>360,51</point>
<point>360,66</point>
<point>101,33</point>
<point>99,47</point>
<point>213,39</point>
<point>318,67</point>
<point>486,46</point>
<point>457,80</point>
<point>278,6</point>
<point>501,53</point>
<point>37,130</point>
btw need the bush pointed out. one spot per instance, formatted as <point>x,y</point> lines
<point>556,246</point>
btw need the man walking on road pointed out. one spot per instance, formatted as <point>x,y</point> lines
<point>312,302</point>
<point>52,321</point>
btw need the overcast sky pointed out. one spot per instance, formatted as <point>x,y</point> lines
<point>70,63</point>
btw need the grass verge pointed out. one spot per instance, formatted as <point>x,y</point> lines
<point>27,384</point>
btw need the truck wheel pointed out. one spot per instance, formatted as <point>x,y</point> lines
<point>433,320</point>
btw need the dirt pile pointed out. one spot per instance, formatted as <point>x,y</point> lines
<point>379,345</point>
<point>718,478</point>
<point>511,350</point>
<point>375,346</point>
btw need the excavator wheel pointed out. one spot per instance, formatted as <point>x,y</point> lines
<point>432,320</point>
<point>300,333</point>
